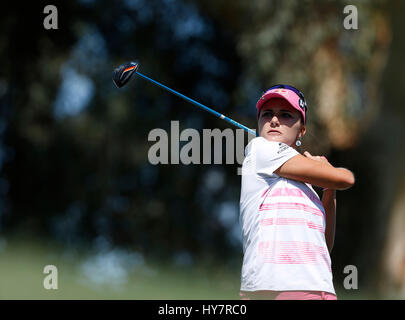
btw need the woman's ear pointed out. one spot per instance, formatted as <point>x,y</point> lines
<point>302,131</point>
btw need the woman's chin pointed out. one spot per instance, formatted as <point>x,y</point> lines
<point>277,138</point>
<point>273,137</point>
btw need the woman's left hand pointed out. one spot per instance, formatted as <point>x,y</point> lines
<point>316,158</point>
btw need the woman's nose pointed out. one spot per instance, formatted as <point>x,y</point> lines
<point>274,121</point>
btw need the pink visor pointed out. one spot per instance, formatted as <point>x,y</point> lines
<point>283,93</point>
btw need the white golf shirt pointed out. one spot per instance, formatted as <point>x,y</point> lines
<point>283,225</point>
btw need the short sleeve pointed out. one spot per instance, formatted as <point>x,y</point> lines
<point>268,156</point>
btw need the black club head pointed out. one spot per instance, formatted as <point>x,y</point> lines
<point>124,72</point>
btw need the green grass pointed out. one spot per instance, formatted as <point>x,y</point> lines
<point>22,263</point>
<point>21,277</point>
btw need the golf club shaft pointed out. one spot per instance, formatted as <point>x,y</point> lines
<point>219,115</point>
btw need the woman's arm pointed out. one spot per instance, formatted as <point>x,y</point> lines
<point>329,204</point>
<point>322,173</point>
<point>317,172</point>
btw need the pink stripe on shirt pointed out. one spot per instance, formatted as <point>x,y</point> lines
<point>290,206</point>
<point>291,221</point>
<point>293,192</point>
<point>292,252</point>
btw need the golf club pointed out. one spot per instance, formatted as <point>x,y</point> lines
<point>124,72</point>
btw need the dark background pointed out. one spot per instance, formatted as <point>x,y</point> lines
<point>74,169</point>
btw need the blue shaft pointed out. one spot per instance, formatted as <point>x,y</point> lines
<point>219,115</point>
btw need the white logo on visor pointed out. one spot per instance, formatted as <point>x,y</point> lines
<point>302,104</point>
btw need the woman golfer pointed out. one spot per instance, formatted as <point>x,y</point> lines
<point>288,232</point>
